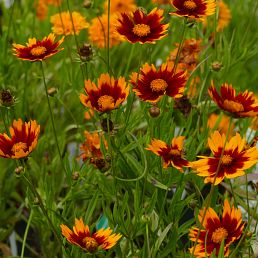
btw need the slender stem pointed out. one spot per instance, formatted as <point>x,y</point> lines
<point>26,233</point>
<point>51,116</point>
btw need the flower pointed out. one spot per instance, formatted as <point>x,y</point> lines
<point>241,105</point>
<point>151,84</point>
<point>171,154</point>
<point>141,27</point>
<point>81,236</point>
<point>160,2</point>
<point>214,230</point>
<point>63,25</point>
<point>38,50</point>
<point>224,16</point>
<point>228,162</point>
<point>109,94</point>
<point>221,124</point>
<point>91,147</point>
<point>98,31</point>
<point>120,6</point>
<point>23,140</point>
<point>42,7</point>
<point>194,9</point>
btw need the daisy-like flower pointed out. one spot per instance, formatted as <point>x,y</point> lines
<point>194,9</point>
<point>65,26</point>
<point>81,236</point>
<point>240,105</point>
<point>42,7</point>
<point>214,230</point>
<point>98,31</point>
<point>141,27</point>
<point>171,154</point>
<point>22,141</point>
<point>229,163</point>
<point>151,84</point>
<point>120,6</point>
<point>224,16</point>
<point>109,94</point>
<point>38,50</point>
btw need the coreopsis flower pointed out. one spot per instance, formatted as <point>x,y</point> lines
<point>228,162</point>
<point>194,9</point>
<point>22,141</point>
<point>141,27</point>
<point>224,16</point>
<point>241,105</point>
<point>189,55</point>
<point>151,83</point>
<point>91,147</point>
<point>109,94</point>
<point>98,31</point>
<point>38,50</point>
<point>215,229</point>
<point>171,154</point>
<point>64,25</point>
<point>120,6</point>
<point>160,2</point>
<point>221,124</point>
<point>42,7</point>
<point>81,236</point>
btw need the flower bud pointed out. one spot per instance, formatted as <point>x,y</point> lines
<point>154,111</point>
<point>216,66</point>
<point>75,175</point>
<point>86,52</point>
<point>6,98</point>
<point>19,170</point>
<point>52,91</point>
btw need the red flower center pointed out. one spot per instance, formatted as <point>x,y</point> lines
<point>105,102</point>
<point>18,147</point>
<point>219,234</point>
<point>38,51</point>
<point>226,159</point>
<point>190,5</point>
<point>141,30</point>
<point>233,106</point>
<point>158,85</point>
<point>90,244</point>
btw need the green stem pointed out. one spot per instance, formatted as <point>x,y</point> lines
<point>26,234</point>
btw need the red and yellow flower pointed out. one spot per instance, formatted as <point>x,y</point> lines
<point>109,94</point>
<point>22,141</point>
<point>151,84</point>
<point>214,230</point>
<point>38,50</point>
<point>81,236</point>
<point>241,105</point>
<point>141,27</point>
<point>228,162</point>
<point>171,154</point>
<point>194,9</point>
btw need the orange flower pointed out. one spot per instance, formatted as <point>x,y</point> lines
<point>224,16</point>
<point>120,6</point>
<point>109,94</point>
<point>241,105</point>
<point>65,26</point>
<point>160,2</point>
<point>194,9</point>
<point>23,140</point>
<point>98,31</point>
<point>151,84</point>
<point>171,154</point>
<point>42,7</point>
<point>214,122</point>
<point>141,27</point>
<point>38,50</point>
<point>230,163</point>
<point>102,239</point>
<point>214,230</point>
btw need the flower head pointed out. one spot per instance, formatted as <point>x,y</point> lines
<point>224,16</point>
<point>241,105</point>
<point>42,7</point>
<point>228,163</point>
<point>195,9</point>
<point>141,27</point>
<point>102,239</point>
<point>214,230</point>
<point>109,94</point>
<point>22,141</point>
<point>98,31</point>
<point>120,6</point>
<point>64,25</point>
<point>38,50</point>
<point>151,84</point>
<point>171,154</point>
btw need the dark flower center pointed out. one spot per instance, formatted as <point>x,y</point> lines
<point>18,147</point>
<point>91,244</point>
<point>190,5</point>
<point>218,235</point>
<point>233,106</point>
<point>158,85</point>
<point>141,30</point>
<point>38,51</point>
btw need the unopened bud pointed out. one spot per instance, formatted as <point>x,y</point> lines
<point>19,170</point>
<point>36,201</point>
<point>75,175</point>
<point>87,4</point>
<point>154,111</point>
<point>6,98</point>
<point>52,91</point>
<point>216,66</point>
<point>86,52</point>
